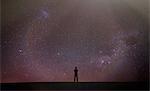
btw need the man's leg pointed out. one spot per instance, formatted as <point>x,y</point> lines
<point>75,79</point>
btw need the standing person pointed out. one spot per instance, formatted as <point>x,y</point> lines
<point>75,74</point>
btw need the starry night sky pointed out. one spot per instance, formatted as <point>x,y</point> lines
<point>43,40</point>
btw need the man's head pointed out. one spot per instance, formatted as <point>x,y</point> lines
<point>75,67</point>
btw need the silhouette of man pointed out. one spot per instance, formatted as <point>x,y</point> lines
<point>75,74</point>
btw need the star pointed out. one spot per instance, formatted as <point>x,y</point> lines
<point>58,53</point>
<point>20,50</point>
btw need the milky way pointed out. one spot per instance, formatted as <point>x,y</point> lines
<point>43,40</point>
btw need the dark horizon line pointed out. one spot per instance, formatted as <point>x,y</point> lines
<point>76,82</point>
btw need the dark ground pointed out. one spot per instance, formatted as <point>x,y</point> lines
<point>76,86</point>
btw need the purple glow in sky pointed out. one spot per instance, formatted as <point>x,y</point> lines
<point>43,40</point>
